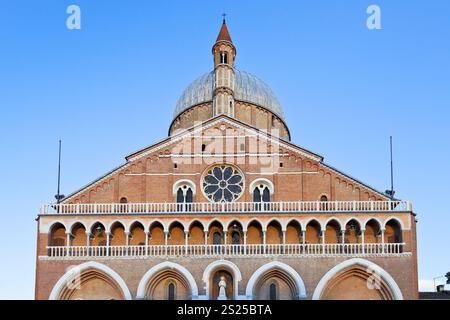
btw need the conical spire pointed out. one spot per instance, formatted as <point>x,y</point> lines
<point>224,35</point>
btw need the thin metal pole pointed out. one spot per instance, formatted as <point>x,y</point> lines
<point>392,172</point>
<point>58,198</point>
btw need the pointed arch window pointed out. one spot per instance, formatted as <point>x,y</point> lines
<point>180,195</point>
<point>171,291</point>
<point>189,196</point>
<point>256,195</point>
<point>266,195</point>
<point>273,291</point>
<point>261,196</point>
<point>184,191</point>
<point>223,57</point>
<point>185,197</point>
<point>262,191</point>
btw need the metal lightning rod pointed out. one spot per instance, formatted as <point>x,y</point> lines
<point>58,195</point>
<point>391,192</point>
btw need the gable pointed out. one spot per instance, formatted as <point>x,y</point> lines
<point>222,137</point>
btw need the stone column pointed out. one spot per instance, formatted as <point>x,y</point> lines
<point>264,241</point>
<point>88,243</point>
<point>67,243</point>
<point>322,233</point>
<point>186,239</point>
<point>107,242</point>
<point>362,241</point>
<point>245,241</point>
<point>206,241</point>
<point>146,242</point>
<point>127,242</point>
<point>382,241</point>
<point>166,238</point>
<point>342,250</point>
<point>225,240</point>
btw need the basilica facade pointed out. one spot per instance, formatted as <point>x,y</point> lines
<point>226,207</point>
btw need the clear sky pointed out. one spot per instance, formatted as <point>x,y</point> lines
<point>111,88</point>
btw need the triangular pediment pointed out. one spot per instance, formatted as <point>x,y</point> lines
<point>221,126</point>
<point>227,121</point>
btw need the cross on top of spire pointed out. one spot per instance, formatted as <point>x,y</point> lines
<point>224,35</point>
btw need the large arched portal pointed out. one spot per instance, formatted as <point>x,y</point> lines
<point>90,281</point>
<point>357,279</point>
<point>167,281</point>
<point>275,281</point>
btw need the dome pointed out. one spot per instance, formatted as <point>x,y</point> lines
<point>247,88</point>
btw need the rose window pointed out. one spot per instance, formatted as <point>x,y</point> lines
<point>223,184</point>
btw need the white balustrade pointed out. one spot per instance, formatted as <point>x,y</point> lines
<point>230,250</point>
<point>231,207</point>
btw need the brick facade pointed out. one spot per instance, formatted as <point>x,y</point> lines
<point>315,232</point>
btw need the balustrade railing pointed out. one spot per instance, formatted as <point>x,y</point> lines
<point>250,250</point>
<point>231,207</point>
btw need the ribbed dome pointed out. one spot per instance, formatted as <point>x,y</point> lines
<point>247,88</point>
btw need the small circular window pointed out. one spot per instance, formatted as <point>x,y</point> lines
<point>223,183</point>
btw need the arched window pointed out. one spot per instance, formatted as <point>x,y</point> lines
<point>189,196</point>
<point>171,291</point>
<point>324,198</point>
<point>57,235</point>
<point>266,195</point>
<point>273,291</point>
<point>256,195</point>
<point>262,190</point>
<point>184,194</point>
<point>261,195</point>
<point>223,57</point>
<point>180,195</point>
<point>217,238</point>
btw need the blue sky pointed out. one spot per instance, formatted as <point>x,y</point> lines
<point>111,87</point>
